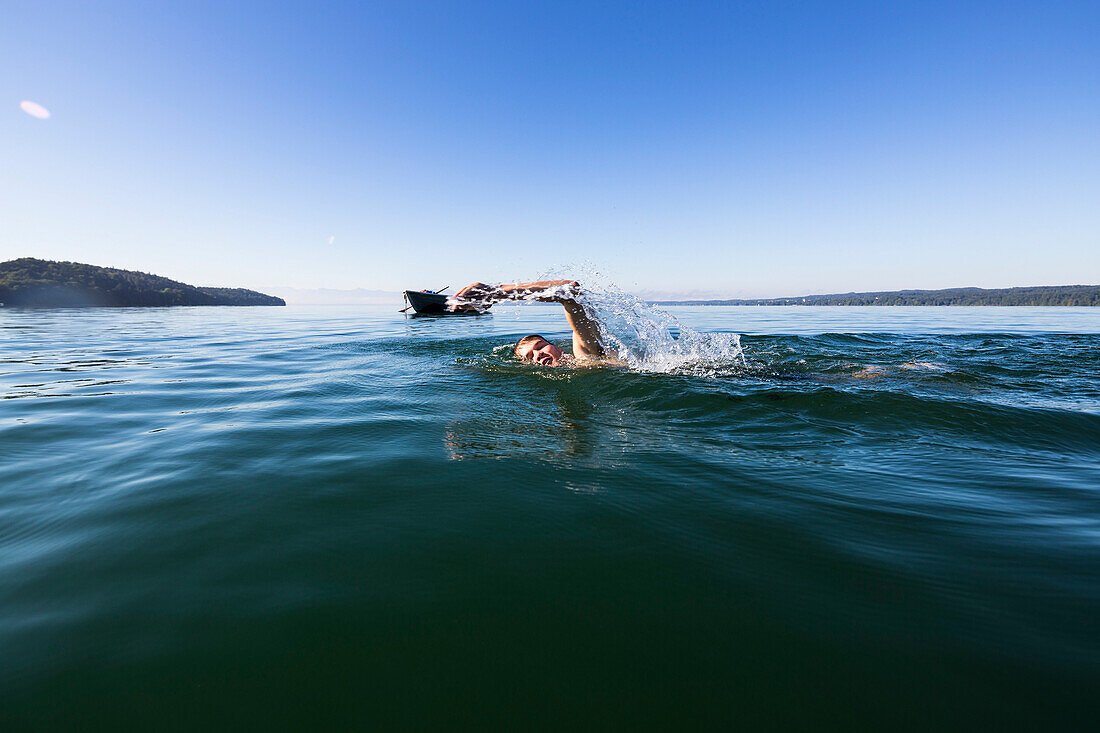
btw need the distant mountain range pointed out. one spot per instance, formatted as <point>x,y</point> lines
<point>44,284</point>
<point>1043,295</point>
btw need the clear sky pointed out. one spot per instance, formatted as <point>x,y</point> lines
<point>748,149</point>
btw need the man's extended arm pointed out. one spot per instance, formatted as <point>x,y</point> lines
<point>586,333</point>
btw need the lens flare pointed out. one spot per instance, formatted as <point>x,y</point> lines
<point>34,109</point>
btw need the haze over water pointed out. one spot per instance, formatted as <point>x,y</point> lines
<point>316,516</point>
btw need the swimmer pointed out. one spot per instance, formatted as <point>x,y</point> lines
<point>587,345</point>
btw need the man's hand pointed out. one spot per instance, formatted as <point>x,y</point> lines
<point>478,294</point>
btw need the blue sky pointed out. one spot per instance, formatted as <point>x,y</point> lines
<point>745,149</point>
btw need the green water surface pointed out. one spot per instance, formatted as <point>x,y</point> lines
<point>319,517</point>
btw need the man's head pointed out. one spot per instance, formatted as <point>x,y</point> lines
<point>537,349</point>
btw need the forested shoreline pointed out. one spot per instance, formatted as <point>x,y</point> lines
<point>35,283</point>
<point>1042,295</point>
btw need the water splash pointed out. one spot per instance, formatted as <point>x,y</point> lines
<point>651,339</point>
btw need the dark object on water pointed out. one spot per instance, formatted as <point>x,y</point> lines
<point>426,302</point>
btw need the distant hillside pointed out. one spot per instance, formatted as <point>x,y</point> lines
<point>1074,295</point>
<point>45,284</point>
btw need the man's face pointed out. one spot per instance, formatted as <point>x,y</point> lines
<point>541,352</point>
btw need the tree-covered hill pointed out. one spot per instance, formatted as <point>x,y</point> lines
<point>1073,295</point>
<point>45,284</point>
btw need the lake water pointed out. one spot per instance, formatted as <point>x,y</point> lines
<point>306,517</point>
